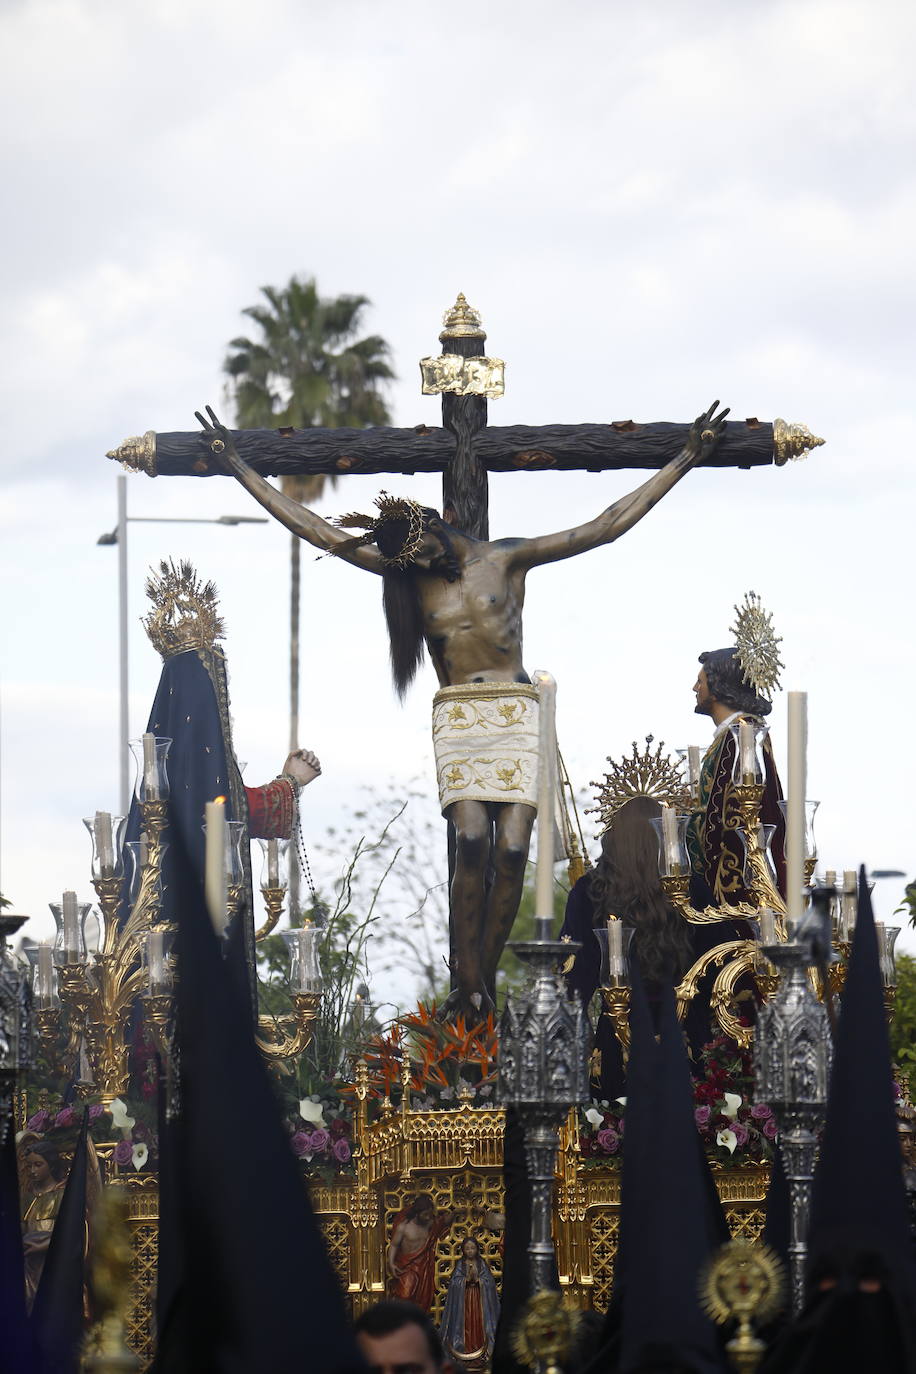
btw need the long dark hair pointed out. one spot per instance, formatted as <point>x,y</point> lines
<point>401,598</point>
<point>625,883</point>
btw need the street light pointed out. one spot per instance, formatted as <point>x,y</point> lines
<point>119,536</point>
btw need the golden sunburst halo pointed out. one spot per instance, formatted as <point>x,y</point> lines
<point>757,644</point>
<point>185,612</point>
<point>646,774</point>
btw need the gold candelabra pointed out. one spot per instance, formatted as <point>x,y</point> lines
<point>97,992</point>
<point>616,1002</point>
<point>273,900</point>
<point>286,1037</point>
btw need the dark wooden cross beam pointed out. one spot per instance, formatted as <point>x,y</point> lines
<point>465,448</point>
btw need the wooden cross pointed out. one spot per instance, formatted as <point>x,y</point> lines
<point>465,448</point>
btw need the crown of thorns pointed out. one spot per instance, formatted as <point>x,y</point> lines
<point>757,644</point>
<point>647,774</point>
<point>389,508</point>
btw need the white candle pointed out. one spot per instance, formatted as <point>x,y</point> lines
<point>693,765</point>
<point>70,919</point>
<point>849,903</point>
<point>150,774</point>
<point>155,961</point>
<point>547,765</point>
<point>670,840</point>
<point>44,977</point>
<point>273,864</point>
<point>103,843</point>
<point>767,926</point>
<point>616,960</point>
<point>747,752</point>
<point>215,863</point>
<point>830,877</point>
<point>795,808</point>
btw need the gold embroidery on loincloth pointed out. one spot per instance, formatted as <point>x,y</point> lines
<point>485,740</point>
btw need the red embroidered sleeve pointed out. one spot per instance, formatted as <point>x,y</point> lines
<point>271,810</point>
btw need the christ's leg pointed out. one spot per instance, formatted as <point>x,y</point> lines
<point>467,897</point>
<point>514,821</point>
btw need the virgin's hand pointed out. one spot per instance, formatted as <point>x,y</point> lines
<point>303,766</point>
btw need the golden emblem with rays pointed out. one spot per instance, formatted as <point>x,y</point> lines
<point>185,612</point>
<point>757,644</point>
<point>645,774</point>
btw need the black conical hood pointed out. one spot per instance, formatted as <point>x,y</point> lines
<point>17,1354</point>
<point>57,1314</point>
<point>859,1199</point>
<point>260,1294</point>
<point>861,1291</point>
<point>665,1222</point>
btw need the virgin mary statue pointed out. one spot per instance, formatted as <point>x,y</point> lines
<point>471,1310</point>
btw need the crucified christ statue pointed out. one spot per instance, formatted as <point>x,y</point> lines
<point>462,598</point>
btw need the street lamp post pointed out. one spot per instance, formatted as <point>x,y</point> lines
<point>119,536</point>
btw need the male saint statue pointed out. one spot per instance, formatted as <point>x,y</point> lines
<point>462,598</point>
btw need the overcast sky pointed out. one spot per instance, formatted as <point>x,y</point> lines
<point>651,205</point>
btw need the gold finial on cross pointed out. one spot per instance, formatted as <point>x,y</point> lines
<point>462,321</point>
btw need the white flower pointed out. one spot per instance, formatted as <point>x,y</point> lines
<point>732,1103</point>
<point>621,1100</point>
<point>311,1111</point>
<point>139,1155</point>
<point>728,1139</point>
<point>119,1118</point>
<point>593,1116</point>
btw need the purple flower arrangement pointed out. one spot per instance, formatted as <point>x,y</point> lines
<point>322,1139</point>
<point>136,1147</point>
<point>734,1128</point>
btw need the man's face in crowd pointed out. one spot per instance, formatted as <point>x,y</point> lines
<point>405,1351</point>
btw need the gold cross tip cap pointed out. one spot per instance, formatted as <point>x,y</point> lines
<point>792,441</point>
<point>137,454</point>
<point>462,321</point>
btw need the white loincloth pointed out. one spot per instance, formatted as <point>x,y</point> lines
<point>485,740</point>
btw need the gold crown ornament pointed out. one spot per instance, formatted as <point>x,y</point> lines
<point>462,322</point>
<point>757,644</point>
<point>655,775</point>
<point>185,612</point>
<point>389,508</point>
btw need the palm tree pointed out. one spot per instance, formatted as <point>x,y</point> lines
<point>307,368</point>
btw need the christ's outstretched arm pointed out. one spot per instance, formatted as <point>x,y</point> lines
<point>624,514</point>
<point>298,519</point>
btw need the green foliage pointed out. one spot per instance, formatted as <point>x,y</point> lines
<point>908,905</point>
<point>344,971</point>
<point>903,1026</point>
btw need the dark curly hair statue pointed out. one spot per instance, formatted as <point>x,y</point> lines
<point>625,883</point>
<point>727,683</point>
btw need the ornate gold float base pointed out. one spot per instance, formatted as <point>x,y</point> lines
<point>455,1157</point>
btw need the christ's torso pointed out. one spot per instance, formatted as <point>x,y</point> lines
<point>473,626</point>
